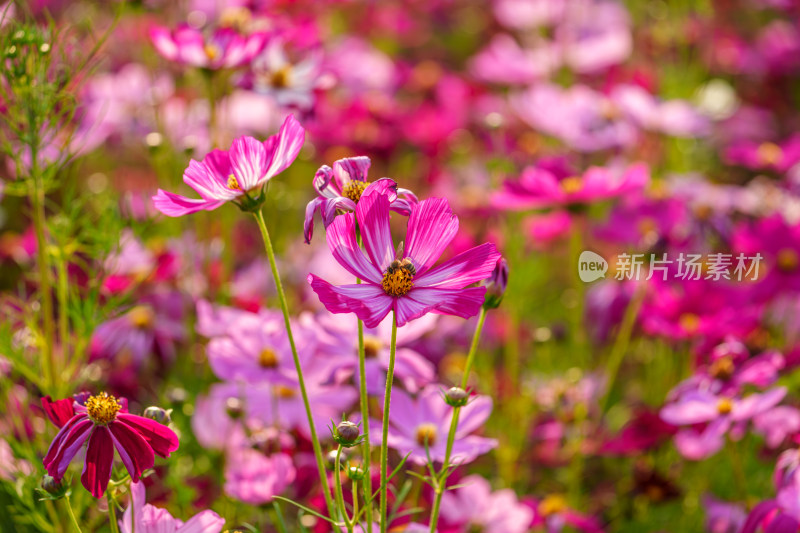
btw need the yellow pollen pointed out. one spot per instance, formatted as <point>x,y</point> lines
<point>354,189</point>
<point>397,282</point>
<point>102,408</point>
<point>372,346</point>
<point>724,406</point>
<point>233,183</point>
<point>282,391</point>
<point>648,226</point>
<point>690,322</point>
<point>703,212</point>
<point>212,51</point>
<point>280,79</point>
<point>267,358</point>
<point>571,185</point>
<point>141,317</point>
<point>788,260</point>
<point>555,503</point>
<point>722,368</point>
<point>426,434</point>
<point>769,153</point>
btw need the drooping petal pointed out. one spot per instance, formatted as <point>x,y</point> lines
<point>308,224</point>
<point>66,444</point>
<point>384,186</point>
<point>464,269</point>
<point>698,445</point>
<point>136,454</point>
<point>694,408</point>
<point>60,411</point>
<point>175,205</point>
<point>757,515</point>
<point>324,184</point>
<point>341,237</point>
<point>99,459</point>
<point>282,149</point>
<point>249,161</point>
<point>204,522</point>
<point>161,439</point>
<point>431,227</point>
<point>421,300</point>
<point>369,302</point>
<point>351,169</point>
<point>372,213</point>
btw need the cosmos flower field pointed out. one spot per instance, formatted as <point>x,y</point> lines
<point>354,266</point>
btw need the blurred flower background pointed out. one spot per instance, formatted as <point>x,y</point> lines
<point>661,395</point>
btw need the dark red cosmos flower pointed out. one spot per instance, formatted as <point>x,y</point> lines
<point>104,423</point>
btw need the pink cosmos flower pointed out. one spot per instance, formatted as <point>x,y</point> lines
<point>140,517</point>
<point>776,156</point>
<point>105,424</point>
<point>548,186</point>
<point>255,478</point>
<point>424,422</point>
<point>554,515</point>
<point>474,504</point>
<point>341,187</point>
<point>228,176</point>
<point>224,48</point>
<point>290,84</point>
<point>404,282</point>
<point>720,413</point>
<point>723,517</point>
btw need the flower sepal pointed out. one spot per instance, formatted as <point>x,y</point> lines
<point>52,489</point>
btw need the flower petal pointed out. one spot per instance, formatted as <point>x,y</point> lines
<point>136,454</point>
<point>464,269</point>
<point>282,149</point>
<point>431,227</point>
<point>204,522</point>
<point>421,300</point>
<point>161,439</point>
<point>369,302</point>
<point>99,459</point>
<point>372,213</point>
<point>351,169</point>
<point>248,162</point>
<point>60,411</point>
<point>66,444</point>
<point>341,237</point>
<point>175,205</point>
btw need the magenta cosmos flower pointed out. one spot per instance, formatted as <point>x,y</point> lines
<point>341,187</point>
<point>233,175</point>
<point>403,282</point>
<point>224,48</point>
<point>140,517</point>
<point>104,423</point>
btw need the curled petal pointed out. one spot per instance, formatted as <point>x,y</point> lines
<point>66,445</point>
<point>60,411</point>
<point>161,439</point>
<point>282,149</point>
<point>351,169</point>
<point>136,454</point>
<point>99,459</point>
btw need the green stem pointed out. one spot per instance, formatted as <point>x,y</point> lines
<point>71,513</point>
<point>385,430</point>
<point>43,259</point>
<point>279,522</point>
<point>63,306</point>
<point>326,490</point>
<point>451,435</point>
<point>112,513</point>
<point>366,452</point>
<point>339,497</point>
<point>575,249</point>
<point>622,341</point>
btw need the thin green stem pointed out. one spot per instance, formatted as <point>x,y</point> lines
<point>279,522</point>
<point>63,306</point>
<point>326,490</point>
<point>43,259</point>
<point>339,497</point>
<point>387,399</point>
<point>112,513</point>
<point>451,435</point>
<point>622,341</point>
<point>71,513</point>
<point>366,451</point>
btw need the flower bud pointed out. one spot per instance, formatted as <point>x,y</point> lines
<point>158,414</point>
<point>234,407</point>
<point>347,434</point>
<point>330,459</point>
<point>456,397</point>
<point>52,489</point>
<point>496,285</point>
<point>355,473</point>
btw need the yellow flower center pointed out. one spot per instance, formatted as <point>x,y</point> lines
<point>280,78</point>
<point>769,153</point>
<point>426,434</point>
<point>282,391</point>
<point>267,358</point>
<point>571,185</point>
<point>233,183</point>
<point>397,280</point>
<point>690,322</point>
<point>212,51</point>
<point>141,317</point>
<point>372,346</point>
<point>788,260</point>
<point>555,503</point>
<point>724,406</point>
<point>354,189</point>
<point>722,368</point>
<point>648,226</point>
<point>102,408</point>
